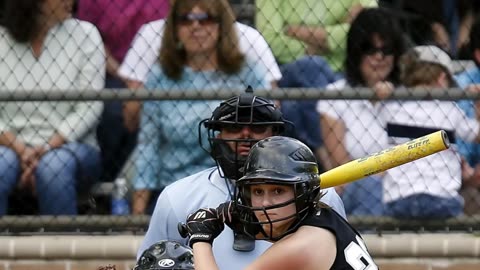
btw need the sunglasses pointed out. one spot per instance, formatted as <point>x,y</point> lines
<point>385,50</point>
<point>235,128</point>
<point>201,18</point>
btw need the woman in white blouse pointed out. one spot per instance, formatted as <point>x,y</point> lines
<point>48,147</point>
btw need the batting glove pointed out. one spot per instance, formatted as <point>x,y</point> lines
<point>204,226</point>
<point>237,221</point>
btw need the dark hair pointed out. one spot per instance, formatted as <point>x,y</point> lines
<point>21,19</point>
<point>475,39</point>
<point>368,23</point>
<point>173,59</point>
<point>2,12</point>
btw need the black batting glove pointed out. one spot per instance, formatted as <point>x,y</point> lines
<point>232,217</point>
<point>204,226</point>
<point>228,215</point>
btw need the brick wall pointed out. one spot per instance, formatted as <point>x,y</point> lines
<point>82,252</point>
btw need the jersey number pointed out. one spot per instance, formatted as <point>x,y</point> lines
<point>357,256</point>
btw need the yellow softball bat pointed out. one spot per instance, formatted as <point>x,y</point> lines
<point>385,159</point>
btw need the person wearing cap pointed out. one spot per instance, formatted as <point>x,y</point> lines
<point>426,188</point>
<point>233,127</point>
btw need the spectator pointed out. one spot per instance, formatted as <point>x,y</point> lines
<point>48,147</point>
<point>350,128</point>
<point>145,50</point>
<point>315,28</point>
<point>302,112</point>
<point>310,27</point>
<point>464,36</point>
<point>426,188</point>
<point>277,201</point>
<point>118,21</point>
<point>471,151</point>
<point>233,127</point>
<point>471,76</point>
<point>442,23</point>
<point>199,51</point>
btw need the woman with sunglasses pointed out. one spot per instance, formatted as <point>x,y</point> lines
<point>199,51</point>
<point>277,201</point>
<point>350,129</point>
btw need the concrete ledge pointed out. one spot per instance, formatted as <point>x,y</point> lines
<point>124,247</point>
<point>70,247</point>
<point>424,245</point>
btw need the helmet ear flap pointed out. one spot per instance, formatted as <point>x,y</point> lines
<point>311,190</point>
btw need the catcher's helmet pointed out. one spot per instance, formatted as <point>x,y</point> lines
<point>165,255</point>
<point>281,161</point>
<point>245,109</point>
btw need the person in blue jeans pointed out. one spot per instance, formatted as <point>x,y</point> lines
<point>73,167</point>
<point>47,148</point>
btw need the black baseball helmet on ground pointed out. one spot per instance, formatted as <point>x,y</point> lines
<point>166,255</point>
<point>245,109</point>
<point>281,161</point>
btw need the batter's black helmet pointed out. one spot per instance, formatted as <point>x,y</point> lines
<point>245,109</point>
<point>166,255</point>
<point>281,161</point>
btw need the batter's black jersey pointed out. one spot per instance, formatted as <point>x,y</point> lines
<point>352,254</point>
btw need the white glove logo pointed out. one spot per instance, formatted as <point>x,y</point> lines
<point>201,214</point>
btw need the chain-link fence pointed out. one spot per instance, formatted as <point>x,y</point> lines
<point>97,200</point>
<point>80,152</point>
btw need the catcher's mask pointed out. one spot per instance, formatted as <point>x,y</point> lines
<point>234,113</point>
